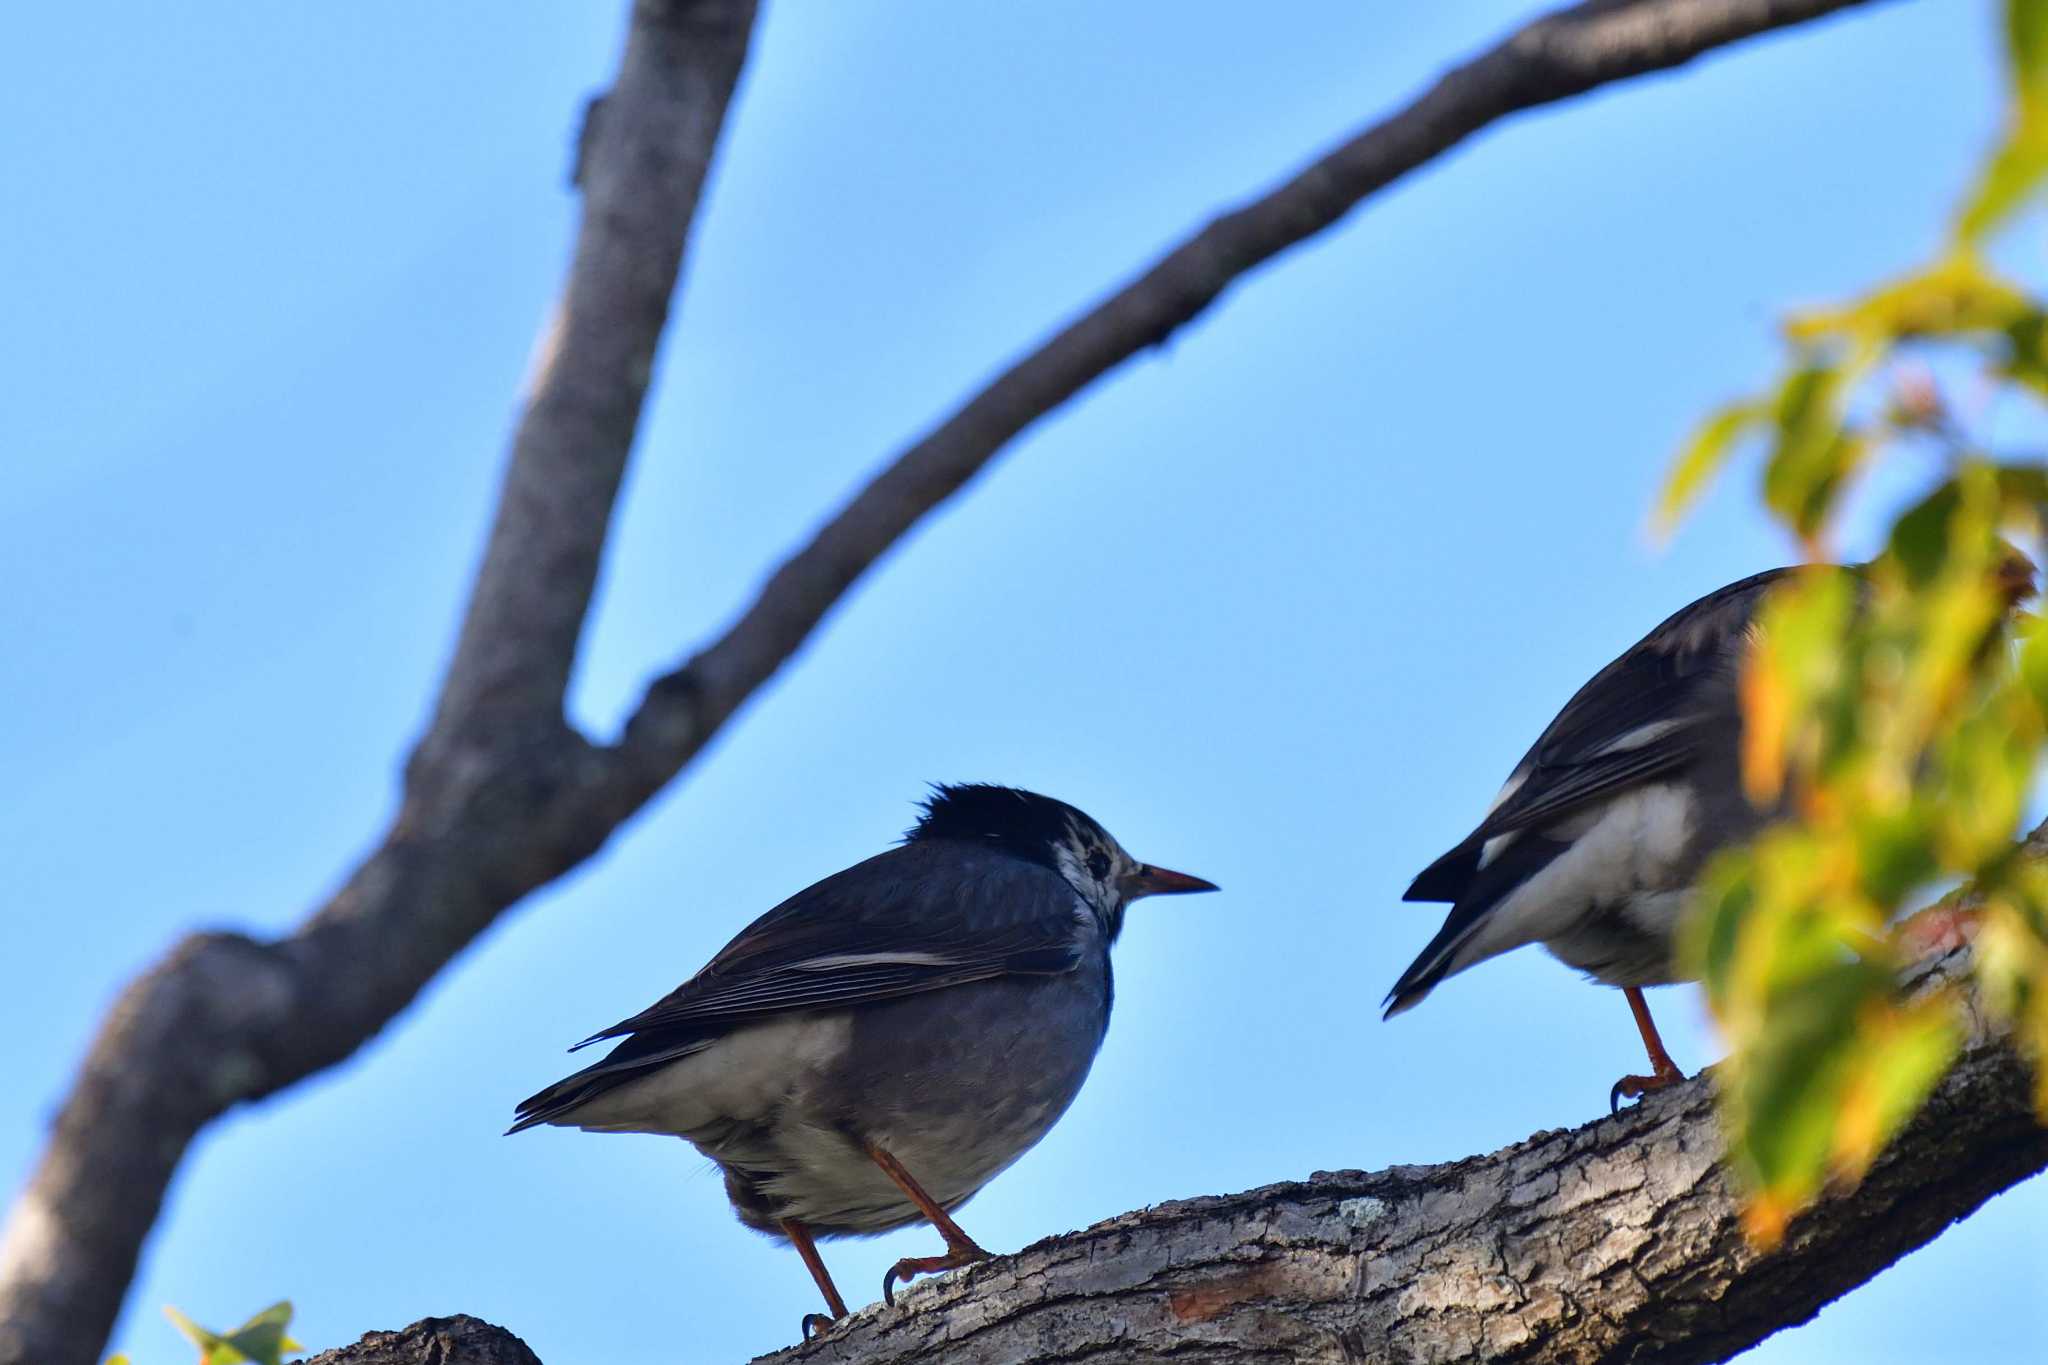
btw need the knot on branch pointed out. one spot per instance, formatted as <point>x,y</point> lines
<point>205,1011</point>
<point>479,781</point>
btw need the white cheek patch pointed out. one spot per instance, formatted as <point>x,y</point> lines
<point>1071,869</point>
<point>1088,891</point>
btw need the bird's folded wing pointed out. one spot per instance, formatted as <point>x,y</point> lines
<point>917,918</point>
<point>1643,716</point>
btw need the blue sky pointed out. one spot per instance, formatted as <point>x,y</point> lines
<point>1279,604</point>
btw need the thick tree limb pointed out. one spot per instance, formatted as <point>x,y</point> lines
<point>501,796</point>
<point>1617,1241</point>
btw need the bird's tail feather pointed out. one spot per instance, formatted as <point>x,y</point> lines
<point>1432,966</point>
<point>1492,886</point>
<point>628,1061</point>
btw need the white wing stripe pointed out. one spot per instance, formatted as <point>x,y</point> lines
<point>1640,737</point>
<point>840,961</point>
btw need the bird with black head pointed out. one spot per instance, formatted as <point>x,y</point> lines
<point>879,1046</point>
<point>1593,846</point>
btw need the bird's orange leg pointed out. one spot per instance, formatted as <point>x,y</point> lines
<point>806,1247</point>
<point>960,1248</point>
<point>1663,1071</point>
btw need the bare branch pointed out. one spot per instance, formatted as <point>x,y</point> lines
<point>225,1019</point>
<point>1563,54</point>
<point>501,796</point>
<point>642,158</point>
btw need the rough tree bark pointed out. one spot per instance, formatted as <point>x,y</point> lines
<point>1617,1241</point>
<point>460,1340</point>
<point>502,796</point>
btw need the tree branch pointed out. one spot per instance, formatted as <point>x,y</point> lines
<point>1617,1241</point>
<point>225,1019</point>
<point>1566,53</point>
<point>460,1340</point>
<point>1620,1240</point>
<point>642,158</point>
<point>501,796</point>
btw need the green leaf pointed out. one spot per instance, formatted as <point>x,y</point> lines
<point>259,1341</point>
<point>1838,1065</point>
<point>2026,353</point>
<point>1790,1080</point>
<point>1958,295</point>
<point>2026,36</point>
<point>2015,171</point>
<point>1794,666</point>
<point>2033,665</point>
<point>2011,950</point>
<point>1920,536</point>
<point>1702,458</point>
<point>1890,723</point>
<point>1990,764</point>
<point>2017,166</point>
<point>1714,928</point>
<point>1897,853</point>
<point>1815,451</point>
<point>1898,1056</point>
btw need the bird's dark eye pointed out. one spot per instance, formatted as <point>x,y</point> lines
<point>1098,864</point>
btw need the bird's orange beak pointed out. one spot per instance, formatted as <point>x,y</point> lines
<point>1158,881</point>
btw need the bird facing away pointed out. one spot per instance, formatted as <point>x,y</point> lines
<point>876,1048</point>
<point>1593,844</point>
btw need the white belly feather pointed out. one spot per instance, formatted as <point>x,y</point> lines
<point>1625,858</point>
<point>744,1076</point>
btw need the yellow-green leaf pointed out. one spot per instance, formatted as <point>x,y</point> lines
<point>1797,660</point>
<point>1815,450</point>
<point>1702,458</point>
<point>2011,950</point>
<point>259,1341</point>
<point>2026,37</point>
<point>1787,1085</point>
<point>2017,166</point>
<point>1898,1056</point>
<point>1958,294</point>
<point>2015,171</point>
<point>2026,352</point>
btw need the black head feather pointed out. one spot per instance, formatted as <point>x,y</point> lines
<point>1022,824</point>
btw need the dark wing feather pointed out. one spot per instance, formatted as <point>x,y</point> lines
<point>1521,860</point>
<point>918,918</point>
<point>1678,678</point>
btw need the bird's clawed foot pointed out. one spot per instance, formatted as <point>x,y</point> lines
<point>807,1247</point>
<point>959,1254</point>
<point>1632,1086</point>
<point>1663,1071</point>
